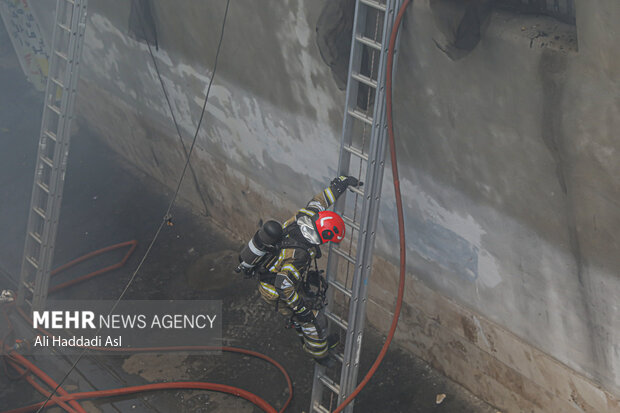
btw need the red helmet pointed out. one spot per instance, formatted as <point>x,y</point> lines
<point>330,226</point>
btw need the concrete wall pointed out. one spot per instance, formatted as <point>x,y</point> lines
<point>274,107</point>
<point>508,158</point>
<point>511,173</point>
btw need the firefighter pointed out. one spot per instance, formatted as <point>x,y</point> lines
<point>281,256</point>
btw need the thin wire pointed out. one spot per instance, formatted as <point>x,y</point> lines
<point>8,276</point>
<point>166,216</point>
<point>176,124</point>
<point>204,106</point>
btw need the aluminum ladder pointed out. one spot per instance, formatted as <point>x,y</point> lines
<point>53,151</point>
<point>362,157</point>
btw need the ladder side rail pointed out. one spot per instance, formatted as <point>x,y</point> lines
<point>74,78</point>
<point>42,279</point>
<point>36,193</point>
<point>345,157</point>
<point>62,140</point>
<point>357,312</point>
<point>351,94</point>
<point>374,176</point>
<point>70,80</point>
<point>345,139</point>
<point>355,62</point>
<point>78,13</point>
<point>62,132</point>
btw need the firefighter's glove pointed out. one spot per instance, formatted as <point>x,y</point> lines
<point>340,184</point>
<point>304,315</point>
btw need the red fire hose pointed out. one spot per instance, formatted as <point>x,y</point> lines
<point>71,398</point>
<point>67,401</point>
<point>132,244</point>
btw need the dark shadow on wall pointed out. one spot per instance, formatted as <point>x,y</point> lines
<point>552,71</point>
<point>462,23</point>
<point>142,22</point>
<point>333,37</point>
<point>562,10</point>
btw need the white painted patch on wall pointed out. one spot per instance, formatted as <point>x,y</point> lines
<point>243,126</point>
<point>488,269</point>
<point>463,225</point>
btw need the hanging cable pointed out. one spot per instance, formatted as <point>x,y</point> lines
<point>399,210</point>
<point>167,215</point>
<point>174,119</point>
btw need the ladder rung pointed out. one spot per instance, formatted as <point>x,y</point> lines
<point>368,42</point>
<point>338,286</point>
<point>39,212</point>
<point>47,161</point>
<point>336,319</point>
<point>339,357</point>
<point>28,287</point>
<point>355,151</point>
<point>361,116</point>
<point>329,383</point>
<point>356,190</point>
<point>54,109</point>
<point>61,55</point>
<point>318,408</point>
<point>50,135</point>
<point>44,187</point>
<point>64,27</point>
<point>374,4</point>
<point>36,237</point>
<point>32,262</point>
<point>58,82</point>
<point>71,2</point>
<point>365,80</point>
<point>343,254</point>
<point>350,222</point>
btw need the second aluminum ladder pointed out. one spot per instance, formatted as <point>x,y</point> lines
<point>53,151</point>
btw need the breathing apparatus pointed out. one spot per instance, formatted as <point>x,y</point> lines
<point>260,251</point>
<point>260,247</point>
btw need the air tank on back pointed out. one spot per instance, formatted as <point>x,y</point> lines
<point>263,241</point>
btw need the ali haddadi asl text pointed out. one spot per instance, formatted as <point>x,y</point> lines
<point>78,341</point>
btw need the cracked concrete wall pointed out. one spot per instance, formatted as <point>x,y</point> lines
<point>508,158</point>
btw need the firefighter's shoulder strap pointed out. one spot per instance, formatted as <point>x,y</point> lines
<point>291,238</point>
<point>285,242</point>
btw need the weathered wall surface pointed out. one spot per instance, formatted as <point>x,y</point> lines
<point>271,115</point>
<point>508,157</point>
<point>511,174</point>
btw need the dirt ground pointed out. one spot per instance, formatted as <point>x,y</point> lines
<point>107,201</point>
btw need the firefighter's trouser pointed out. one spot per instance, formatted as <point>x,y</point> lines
<point>314,334</point>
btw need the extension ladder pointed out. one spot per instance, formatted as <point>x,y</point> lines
<point>53,151</point>
<point>362,157</point>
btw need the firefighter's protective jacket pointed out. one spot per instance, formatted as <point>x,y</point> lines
<point>295,256</point>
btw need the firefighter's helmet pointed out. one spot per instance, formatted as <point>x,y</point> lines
<point>329,226</point>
